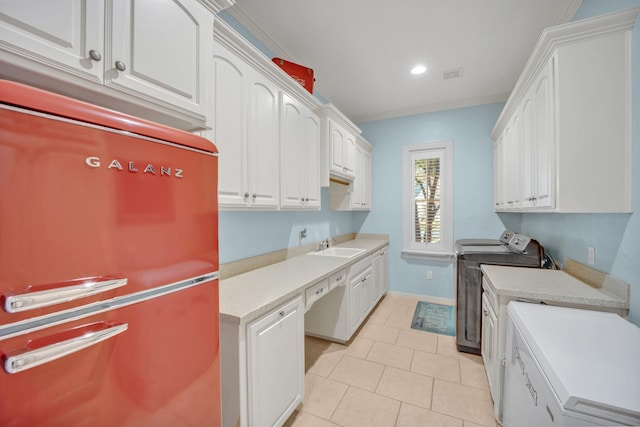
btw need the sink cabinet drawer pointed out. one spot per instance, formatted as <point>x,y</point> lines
<point>338,279</point>
<point>315,292</point>
<point>491,296</point>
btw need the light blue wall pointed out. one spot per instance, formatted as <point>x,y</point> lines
<point>469,129</point>
<point>246,234</point>
<point>615,237</point>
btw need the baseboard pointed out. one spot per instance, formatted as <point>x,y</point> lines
<point>425,298</point>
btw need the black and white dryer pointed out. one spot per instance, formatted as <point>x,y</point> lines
<point>512,249</point>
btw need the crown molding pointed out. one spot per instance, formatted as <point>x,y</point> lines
<point>469,102</point>
<point>224,34</point>
<point>554,37</point>
<point>216,6</point>
<point>239,13</point>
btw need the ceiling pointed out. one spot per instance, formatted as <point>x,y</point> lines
<point>362,50</point>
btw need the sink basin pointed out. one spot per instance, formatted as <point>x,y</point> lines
<point>340,252</point>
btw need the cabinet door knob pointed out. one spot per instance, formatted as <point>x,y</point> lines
<point>120,66</point>
<point>246,195</point>
<point>281,313</point>
<point>254,196</point>
<point>95,55</point>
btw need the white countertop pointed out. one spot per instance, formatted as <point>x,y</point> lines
<point>549,286</point>
<point>249,295</point>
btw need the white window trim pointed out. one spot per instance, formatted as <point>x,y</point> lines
<point>446,203</point>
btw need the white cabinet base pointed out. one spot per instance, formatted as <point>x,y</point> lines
<point>262,367</point>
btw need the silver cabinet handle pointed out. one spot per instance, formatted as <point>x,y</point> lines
<point>33,358</point>
<point>246,195</point>
<point>120,66</point>
<point>95,55</point>
<point>254,196</point>
<point>38,299</point>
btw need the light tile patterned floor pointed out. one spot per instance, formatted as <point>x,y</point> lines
<point>390,375</point>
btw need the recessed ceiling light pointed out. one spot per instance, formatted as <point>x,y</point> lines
<point>418,69</point>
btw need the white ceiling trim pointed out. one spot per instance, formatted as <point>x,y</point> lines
<point>468,102</point>
<point>569,12</point>
<point>238,12</point>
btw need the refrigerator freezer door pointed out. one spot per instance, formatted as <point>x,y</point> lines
<point>163,370</point>
<point>80,202</point>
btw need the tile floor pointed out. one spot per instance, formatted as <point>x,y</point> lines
<point>392,375</point>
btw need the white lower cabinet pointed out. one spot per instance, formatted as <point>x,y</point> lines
<point>339,314</point>
<point>381,272</point>
<point>361,287</point>
<point>275,347</point>
<point>262,367</point>
<point>489,348</point>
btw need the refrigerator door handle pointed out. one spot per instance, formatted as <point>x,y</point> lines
<point>38,299</point>
<point>32,358</point>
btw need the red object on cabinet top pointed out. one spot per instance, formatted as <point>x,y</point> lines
<point>301,74</point>
<point>46,102</point>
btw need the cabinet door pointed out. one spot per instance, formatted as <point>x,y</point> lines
<point>61,34</point>
<point>366,180</point>
<point>276,364</point>
<point>230,126</point>
<point>528,151</point>
<point>337,140</point>
<point>545,197</point>
<point>349,155</point>
<point>498,173</point>
<point>507,167</point>
<point>312,174</point>
<point>161,48</point>
<point>356,193</point>
<point>263,141</point>
<point>489,344</point>
<point>293,152</point>
<point>380,272</point>
<point>356,302</point>
<point>362,294</point>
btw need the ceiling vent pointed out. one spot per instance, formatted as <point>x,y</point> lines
<point>452,74</point>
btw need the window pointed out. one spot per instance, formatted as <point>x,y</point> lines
<point>428,196</point>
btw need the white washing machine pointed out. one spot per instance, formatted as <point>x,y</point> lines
<point>570,367</point>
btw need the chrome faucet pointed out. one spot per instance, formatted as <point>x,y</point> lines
<point>324,244</point>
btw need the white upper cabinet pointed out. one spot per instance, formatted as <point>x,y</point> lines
<point>266,130</point>
<point>355,196</point>
<point>246,113</point>
<point>338,146</point>
<point>67,35</point>
<point>300,147</point>
<point>563,141</point>
<point>160,48</point>
<point>79,47</point>
<point>342,151</point>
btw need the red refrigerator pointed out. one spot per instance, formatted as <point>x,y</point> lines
<point>108,268</point>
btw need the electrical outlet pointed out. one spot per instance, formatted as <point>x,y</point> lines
<point>591,255</point>
<point>429,275</point>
